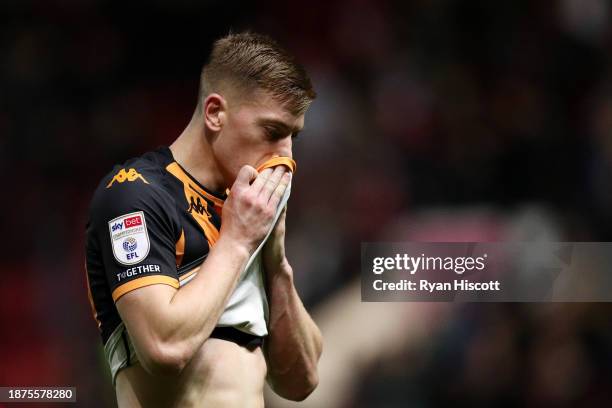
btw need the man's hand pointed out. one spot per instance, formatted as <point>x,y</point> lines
<point>294,342</point>
<point>249,210</point>
<point>273,255</point>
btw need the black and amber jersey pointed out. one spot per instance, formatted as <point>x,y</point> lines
<point>150,223</point>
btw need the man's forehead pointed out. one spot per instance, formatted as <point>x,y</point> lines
<point>268,110</point>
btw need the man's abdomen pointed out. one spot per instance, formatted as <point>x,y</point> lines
<point>221,374</point>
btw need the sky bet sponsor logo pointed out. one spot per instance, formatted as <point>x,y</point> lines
<point>133,221</point>
<point>129,222</point>
<point>129,238</point>
<point>137,270</point>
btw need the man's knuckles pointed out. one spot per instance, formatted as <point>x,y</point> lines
<point>269,211</point>
<point>260,205</point>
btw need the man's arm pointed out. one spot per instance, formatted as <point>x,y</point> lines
<point>168,325</point>
<point>294,344</point>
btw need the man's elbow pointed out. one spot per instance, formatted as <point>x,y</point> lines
<point>310,384</point>
<point>298,390</point>
<point>165,360</point>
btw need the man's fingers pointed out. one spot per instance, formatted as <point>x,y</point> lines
<point>279,191</point>
<point>244,177</point>
<point>260,181</point>
<point>269,185</point>
<point>272,182</point>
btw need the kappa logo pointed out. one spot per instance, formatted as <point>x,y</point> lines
<point>196,205</point>
<point>130,175</point>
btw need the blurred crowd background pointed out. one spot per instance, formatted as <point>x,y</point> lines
<point>436,120</point>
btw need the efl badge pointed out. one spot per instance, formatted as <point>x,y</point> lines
<point>129,238</point>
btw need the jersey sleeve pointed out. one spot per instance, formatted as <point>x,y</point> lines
<point>135,225</point>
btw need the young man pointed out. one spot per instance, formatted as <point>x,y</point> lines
<point>193,312</point>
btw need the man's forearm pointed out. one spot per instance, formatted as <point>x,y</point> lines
<point>195,308</point>
<point>294,344</point>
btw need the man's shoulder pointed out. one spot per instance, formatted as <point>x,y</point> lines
<point>139,179</point>
<point>148,169</point>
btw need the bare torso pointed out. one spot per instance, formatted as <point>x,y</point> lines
<point>221,374</point>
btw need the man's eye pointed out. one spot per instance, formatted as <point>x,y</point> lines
<point>274,134</point>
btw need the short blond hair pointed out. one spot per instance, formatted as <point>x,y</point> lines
<point>248,61</point>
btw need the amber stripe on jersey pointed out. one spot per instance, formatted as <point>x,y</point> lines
<point>277,161</point>
<point>91,302</point>
<point>188,274</point>
<point>210,230</point>
<point>180,249</point>
<point>175,169</point>
<point>144,281</point>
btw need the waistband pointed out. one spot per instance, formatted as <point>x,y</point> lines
<point>236,336</point>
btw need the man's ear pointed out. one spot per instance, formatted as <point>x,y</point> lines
<point>215,108</point>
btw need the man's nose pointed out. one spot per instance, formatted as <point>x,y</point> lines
<point>285,147</point>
